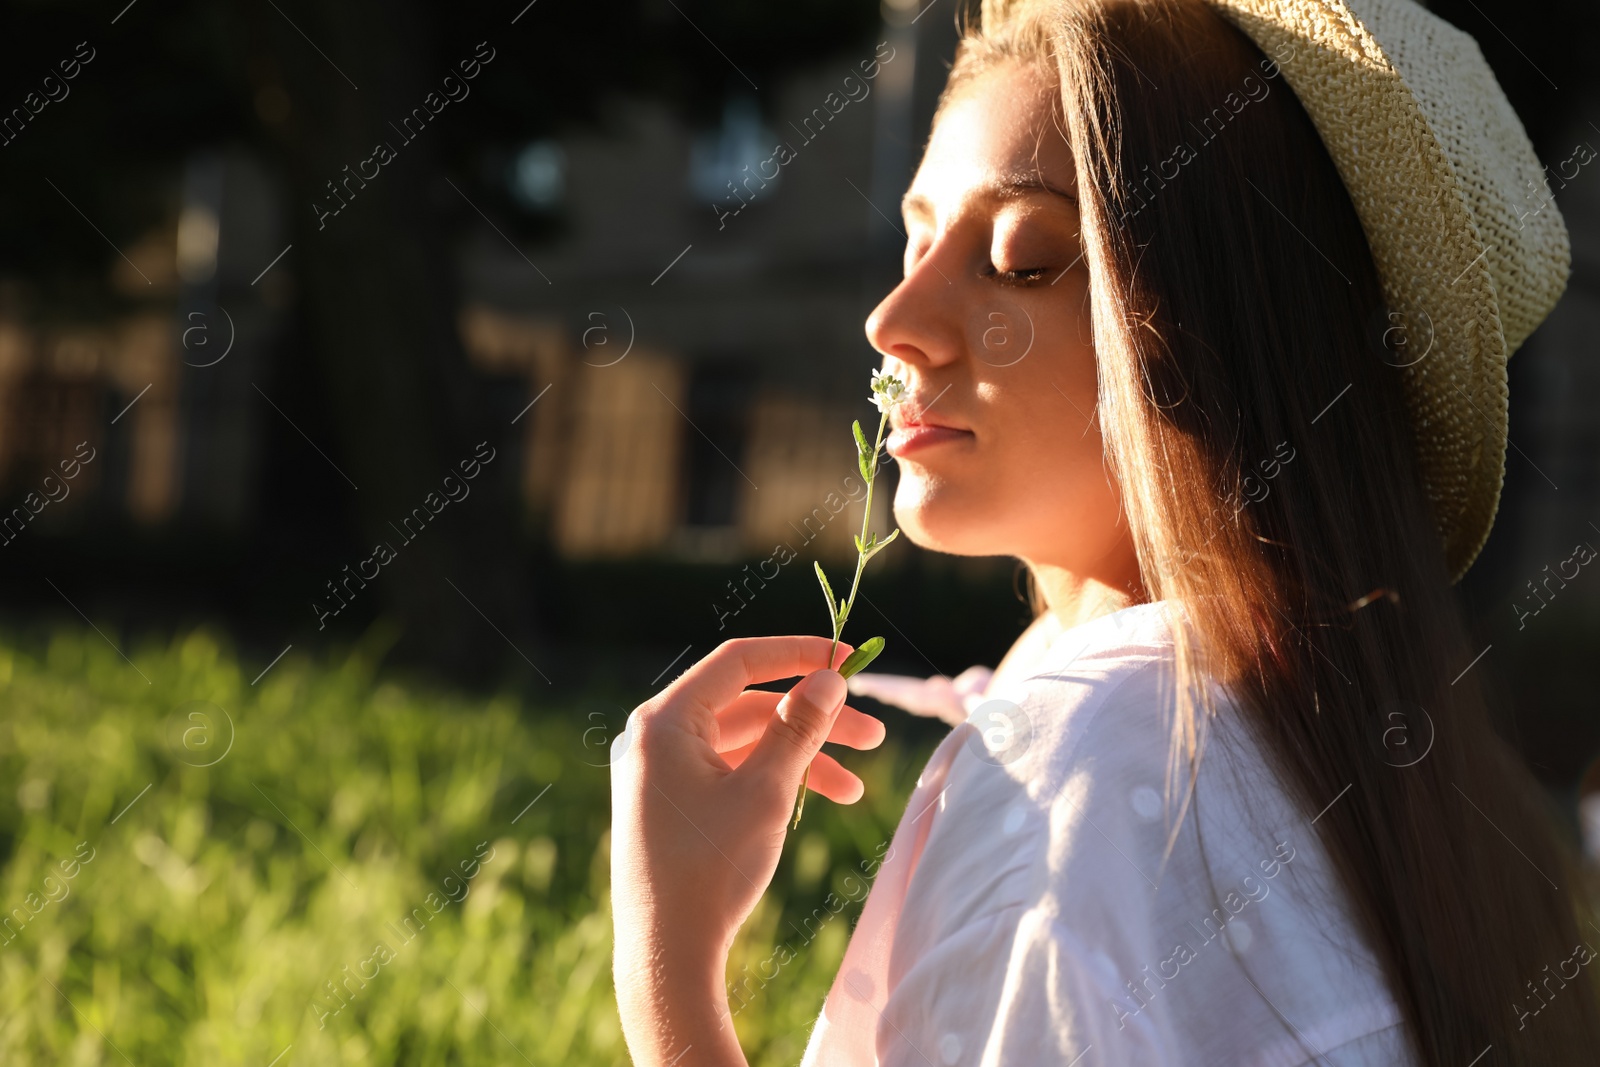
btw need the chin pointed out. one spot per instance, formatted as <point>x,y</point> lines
<point>935,517</point>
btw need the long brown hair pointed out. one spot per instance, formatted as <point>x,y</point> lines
<point>1253,416</point>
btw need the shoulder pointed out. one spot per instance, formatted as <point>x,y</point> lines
<point>1118,667</point>
<point>1058,868</point>
<point>1006,787</point>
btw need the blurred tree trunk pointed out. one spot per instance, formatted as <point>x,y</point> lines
<point>376,287</point>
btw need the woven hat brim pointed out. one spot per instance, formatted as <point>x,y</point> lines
<point>1437,265</point>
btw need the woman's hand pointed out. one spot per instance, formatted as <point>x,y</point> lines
<point>703,782</point>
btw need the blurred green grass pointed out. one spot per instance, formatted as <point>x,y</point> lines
<point>233,913</point>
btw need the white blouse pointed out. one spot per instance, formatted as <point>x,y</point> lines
<point>1023,914</point>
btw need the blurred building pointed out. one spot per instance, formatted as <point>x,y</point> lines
<point>696,396</point>
<point>169,446</point>
<point>691,343</point>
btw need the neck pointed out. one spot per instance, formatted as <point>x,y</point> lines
<point>1074,596</point>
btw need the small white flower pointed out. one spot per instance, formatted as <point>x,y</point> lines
<point>887,390</point>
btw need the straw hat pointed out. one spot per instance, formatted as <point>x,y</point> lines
<point>1469,246</point>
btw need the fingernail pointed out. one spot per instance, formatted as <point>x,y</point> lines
<point>824,689</point>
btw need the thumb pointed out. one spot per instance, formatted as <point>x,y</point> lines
<point>796,731</point>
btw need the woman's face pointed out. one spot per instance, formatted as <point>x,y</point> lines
<point>990,331</point>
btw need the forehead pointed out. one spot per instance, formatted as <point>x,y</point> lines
<point>1000,137</point>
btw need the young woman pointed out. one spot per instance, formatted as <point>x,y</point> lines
<point>1218,362</point>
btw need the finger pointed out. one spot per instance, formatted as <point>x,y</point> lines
<point>828,776</point>
<point>741,723</point>
<point>717,679</point>
<point>795,733</point>
<point>735,756</point>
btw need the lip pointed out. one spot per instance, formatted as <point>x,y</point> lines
<point>915,437</point>
<point>901,417</point>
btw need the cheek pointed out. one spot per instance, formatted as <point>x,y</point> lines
<point>1037,484</point>
<point>1062,428</point>
<point>1033,480</point>
<point>1043,412</point>
<point>1003,337</point>
<point>1048,461</point>
<point>1072,490</point>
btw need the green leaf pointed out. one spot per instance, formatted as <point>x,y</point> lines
<point>862,656</point>
<point>859,546</point>
<point>844,613</point>
<point>827,590</point>
<point>863,450</point>
<point>876,546</point>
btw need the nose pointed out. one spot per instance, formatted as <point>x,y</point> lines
<point>919,322</point>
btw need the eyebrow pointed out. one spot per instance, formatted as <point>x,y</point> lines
<point>1009,187</point>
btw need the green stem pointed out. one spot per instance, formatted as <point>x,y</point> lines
<point>861,562</point>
